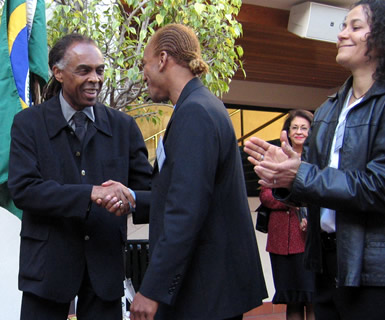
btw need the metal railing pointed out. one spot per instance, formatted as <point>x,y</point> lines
<point>254,131</point>
<point>153,140</point>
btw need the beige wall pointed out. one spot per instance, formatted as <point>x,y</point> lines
<point>150,129</point>
<point>275,95</point>
<point>10,296</point>
<point>253,119</point>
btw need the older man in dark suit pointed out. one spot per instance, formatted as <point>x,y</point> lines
<point>204,257</point>
<point>61,153</point>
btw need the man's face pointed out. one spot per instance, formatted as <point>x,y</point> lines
<point>152,75</point>
<point>83,75</point>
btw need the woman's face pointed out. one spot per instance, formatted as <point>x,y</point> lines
<point>298,131</point>
<point>352,40</point>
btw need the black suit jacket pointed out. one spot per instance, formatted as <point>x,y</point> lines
<point>51,178</point>
<point>204,257</point>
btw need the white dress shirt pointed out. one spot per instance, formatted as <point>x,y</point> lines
<point>328,216</point>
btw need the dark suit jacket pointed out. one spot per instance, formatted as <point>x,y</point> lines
<point>51,178</point>
<point>204,256</point>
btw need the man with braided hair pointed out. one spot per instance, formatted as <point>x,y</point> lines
<point>204,260</point>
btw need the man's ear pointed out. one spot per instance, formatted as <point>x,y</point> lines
<point>163,59</point>
<point>57,73</point>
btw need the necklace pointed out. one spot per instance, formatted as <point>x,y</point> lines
<point>354,96</point>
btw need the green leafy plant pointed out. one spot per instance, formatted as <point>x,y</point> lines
<point>122,28</point>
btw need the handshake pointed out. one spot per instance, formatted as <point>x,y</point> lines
<point>114,196</point>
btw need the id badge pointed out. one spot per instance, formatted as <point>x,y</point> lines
<point>160,154</point>
<point>340,136</point>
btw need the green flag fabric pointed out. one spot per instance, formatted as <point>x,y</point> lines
<point>23,51</point>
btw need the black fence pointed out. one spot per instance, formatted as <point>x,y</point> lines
<point>137,257</point>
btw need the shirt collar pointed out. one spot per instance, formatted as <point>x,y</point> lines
<point>68,111</point>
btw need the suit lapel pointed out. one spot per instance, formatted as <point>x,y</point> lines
<point>192,85</point>
<point>101,123</point>
<point>53,117</point>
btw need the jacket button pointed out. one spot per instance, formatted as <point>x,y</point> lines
<point>83,172</point>
<point>86,237</point>
<point>77,153</point>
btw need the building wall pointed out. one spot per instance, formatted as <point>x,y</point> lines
<point>10,296</point>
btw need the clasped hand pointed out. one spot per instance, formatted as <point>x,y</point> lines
<point>113,196</point>
<point>275,166</point>
<point>143,308</point>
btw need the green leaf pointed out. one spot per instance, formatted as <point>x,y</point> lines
<point>115,25</point>
<point>142,36</point>
<point>199,7</point>
<point>239,51</point>
<point>159,19</point>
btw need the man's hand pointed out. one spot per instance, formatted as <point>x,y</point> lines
<point>113,196</point>
<point>143,308</point>
<point>276,167</point>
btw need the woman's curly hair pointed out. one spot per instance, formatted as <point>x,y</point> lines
<point>375,12</point>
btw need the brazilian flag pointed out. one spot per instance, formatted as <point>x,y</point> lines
<point>23,53</point>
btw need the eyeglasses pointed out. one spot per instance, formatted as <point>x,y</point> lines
<point>295,128</point>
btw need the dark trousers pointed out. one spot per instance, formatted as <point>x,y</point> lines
<point>345,303</point>
<point>89,306</point>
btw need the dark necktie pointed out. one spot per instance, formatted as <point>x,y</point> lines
<point>80,119</point>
